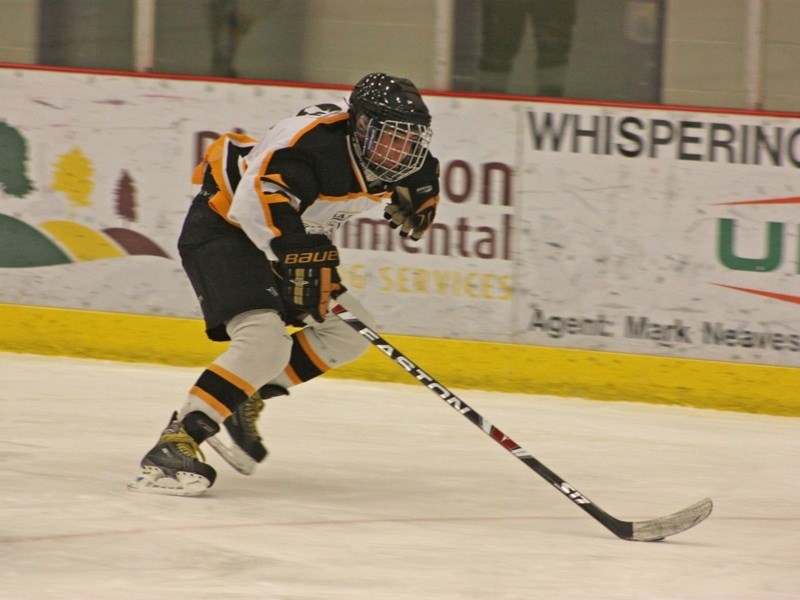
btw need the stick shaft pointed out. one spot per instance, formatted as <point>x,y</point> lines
<point>619,528</point>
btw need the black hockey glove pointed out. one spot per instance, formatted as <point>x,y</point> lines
<point>307,270</point>
<point>414,201</point>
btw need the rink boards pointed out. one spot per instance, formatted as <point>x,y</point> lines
<point>607,251</point>
<point>465,364</point>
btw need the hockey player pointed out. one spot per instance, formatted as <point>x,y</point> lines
<point>256,246</point>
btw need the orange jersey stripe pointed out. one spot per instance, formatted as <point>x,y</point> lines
<point>353,195</point>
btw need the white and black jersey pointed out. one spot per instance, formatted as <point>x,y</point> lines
<point>301,176</point>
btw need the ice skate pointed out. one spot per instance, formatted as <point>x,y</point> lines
<point>245,448</point>
<point>176,465</point>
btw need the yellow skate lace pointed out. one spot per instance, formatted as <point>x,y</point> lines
<point>251,409</point>
<point>184,443</point>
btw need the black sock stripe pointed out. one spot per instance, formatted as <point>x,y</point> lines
<point>302,365</point>
<point>221,389</point>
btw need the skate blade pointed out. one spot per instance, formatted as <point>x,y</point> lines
<point>234,456</point>
<point>152,480</point>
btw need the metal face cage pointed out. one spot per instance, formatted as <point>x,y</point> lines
<point>392,150</point>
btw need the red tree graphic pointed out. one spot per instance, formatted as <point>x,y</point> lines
<point>126,197</point>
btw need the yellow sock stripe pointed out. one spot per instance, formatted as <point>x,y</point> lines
<point>232,378</point>
<point>315,359</point>
<point>292,375</point>
<point>217,406</point>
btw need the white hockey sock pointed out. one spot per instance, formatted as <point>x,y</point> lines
<point>259,350</point>
<point>327,345</point>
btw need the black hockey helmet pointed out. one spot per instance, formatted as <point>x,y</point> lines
<point>390,126</point>
<point>383,96</point>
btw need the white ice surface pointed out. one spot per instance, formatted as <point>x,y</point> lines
<point>376,491</point>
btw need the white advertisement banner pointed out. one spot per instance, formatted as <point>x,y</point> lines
<point>660,232</point>
<point>614,228</point>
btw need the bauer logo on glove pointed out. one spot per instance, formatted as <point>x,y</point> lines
<point>304,258</point>
<point>307,270</point>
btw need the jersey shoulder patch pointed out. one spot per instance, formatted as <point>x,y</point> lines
<point>320,110</point>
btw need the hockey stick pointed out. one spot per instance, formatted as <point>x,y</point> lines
<point>640,531</point>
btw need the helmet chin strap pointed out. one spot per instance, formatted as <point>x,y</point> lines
<point>373,181</point>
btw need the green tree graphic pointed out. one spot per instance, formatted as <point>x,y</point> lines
<point>13,159</point>
<point>73,176</point>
